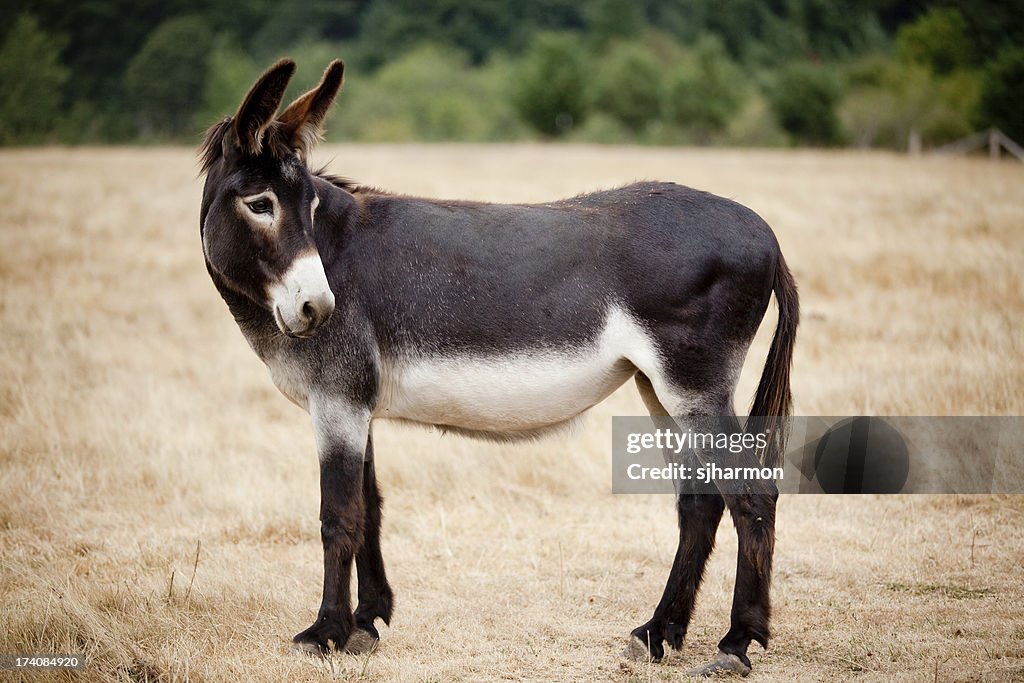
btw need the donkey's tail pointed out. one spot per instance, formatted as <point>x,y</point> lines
<point>769,413</point>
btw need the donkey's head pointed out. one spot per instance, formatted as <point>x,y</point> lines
<point>259,203</point>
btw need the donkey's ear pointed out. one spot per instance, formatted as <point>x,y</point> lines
<point>260,105</point>
<point>303,121</point>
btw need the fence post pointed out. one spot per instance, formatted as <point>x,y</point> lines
<point>914,143</point>
<point>993,145</point>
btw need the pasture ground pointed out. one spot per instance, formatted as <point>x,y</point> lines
<point>136,426</point>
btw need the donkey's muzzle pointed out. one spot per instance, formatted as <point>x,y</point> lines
<point>308,315</point>
<point>302,299</point>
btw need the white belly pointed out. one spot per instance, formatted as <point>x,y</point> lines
<point>524,391</point>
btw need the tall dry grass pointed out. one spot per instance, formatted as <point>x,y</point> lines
<point>136,428</point>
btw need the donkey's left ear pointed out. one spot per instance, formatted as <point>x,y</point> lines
<point>303,120</point>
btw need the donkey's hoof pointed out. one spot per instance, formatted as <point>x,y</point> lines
<point>724,664</point>
<point>321,639</point>
<point>362,642</point>
<point>646,643</point>
<point>636,650</point>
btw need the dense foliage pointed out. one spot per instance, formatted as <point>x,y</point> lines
<point>746,72</point>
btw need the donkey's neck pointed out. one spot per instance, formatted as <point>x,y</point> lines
<point>336,215</point>
<point>256,323</point>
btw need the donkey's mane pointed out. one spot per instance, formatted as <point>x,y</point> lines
<point>212,148</point>
<point>340,182</point>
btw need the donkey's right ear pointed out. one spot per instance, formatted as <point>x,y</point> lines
<point>260,105</point>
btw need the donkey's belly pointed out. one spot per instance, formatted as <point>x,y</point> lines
<point>522,391</point>
<point>499,393</point>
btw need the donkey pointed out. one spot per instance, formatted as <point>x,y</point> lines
<point>495,321</point>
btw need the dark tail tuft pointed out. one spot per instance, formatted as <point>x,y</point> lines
<point>773,400</point>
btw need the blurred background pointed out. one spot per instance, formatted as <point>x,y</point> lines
<point>875,73</point>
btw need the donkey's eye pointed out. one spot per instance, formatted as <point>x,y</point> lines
<point>261,206</point>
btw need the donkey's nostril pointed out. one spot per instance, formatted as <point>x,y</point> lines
<point>308,312</point>
<point>312,313</point>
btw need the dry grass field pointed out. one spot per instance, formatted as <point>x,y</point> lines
<point>137,428</point>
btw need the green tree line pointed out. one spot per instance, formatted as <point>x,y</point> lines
<point>736,72</point>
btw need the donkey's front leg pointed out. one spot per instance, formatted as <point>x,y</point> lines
<point>341,433</point>
<point>375,598</point>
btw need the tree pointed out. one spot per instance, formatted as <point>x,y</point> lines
<point>834,30</point>
<point>629,86</point>
<point>707,89</point>
<point>164,82</point>
<point>937,39</point>
<point>804,99</point>
<point>293,22</point>
<point>393,27</point>
<point>888,99</point>
<point>32,77</point>
<point>609,20</point>
<point>550,92</point>
<point>230,73</point>
<point>991,26</point>
<point>1002,93</point>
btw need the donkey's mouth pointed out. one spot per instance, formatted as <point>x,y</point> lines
<point>294,334</point>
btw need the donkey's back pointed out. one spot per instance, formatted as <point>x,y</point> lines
<point>477,278</point>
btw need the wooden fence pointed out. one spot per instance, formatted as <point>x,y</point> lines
<point>994,138</point>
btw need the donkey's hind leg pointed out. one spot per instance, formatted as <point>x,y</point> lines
<point>752,507</point>
<point>753,514</point>
<point>699,515</point>
<point>375,599</point>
